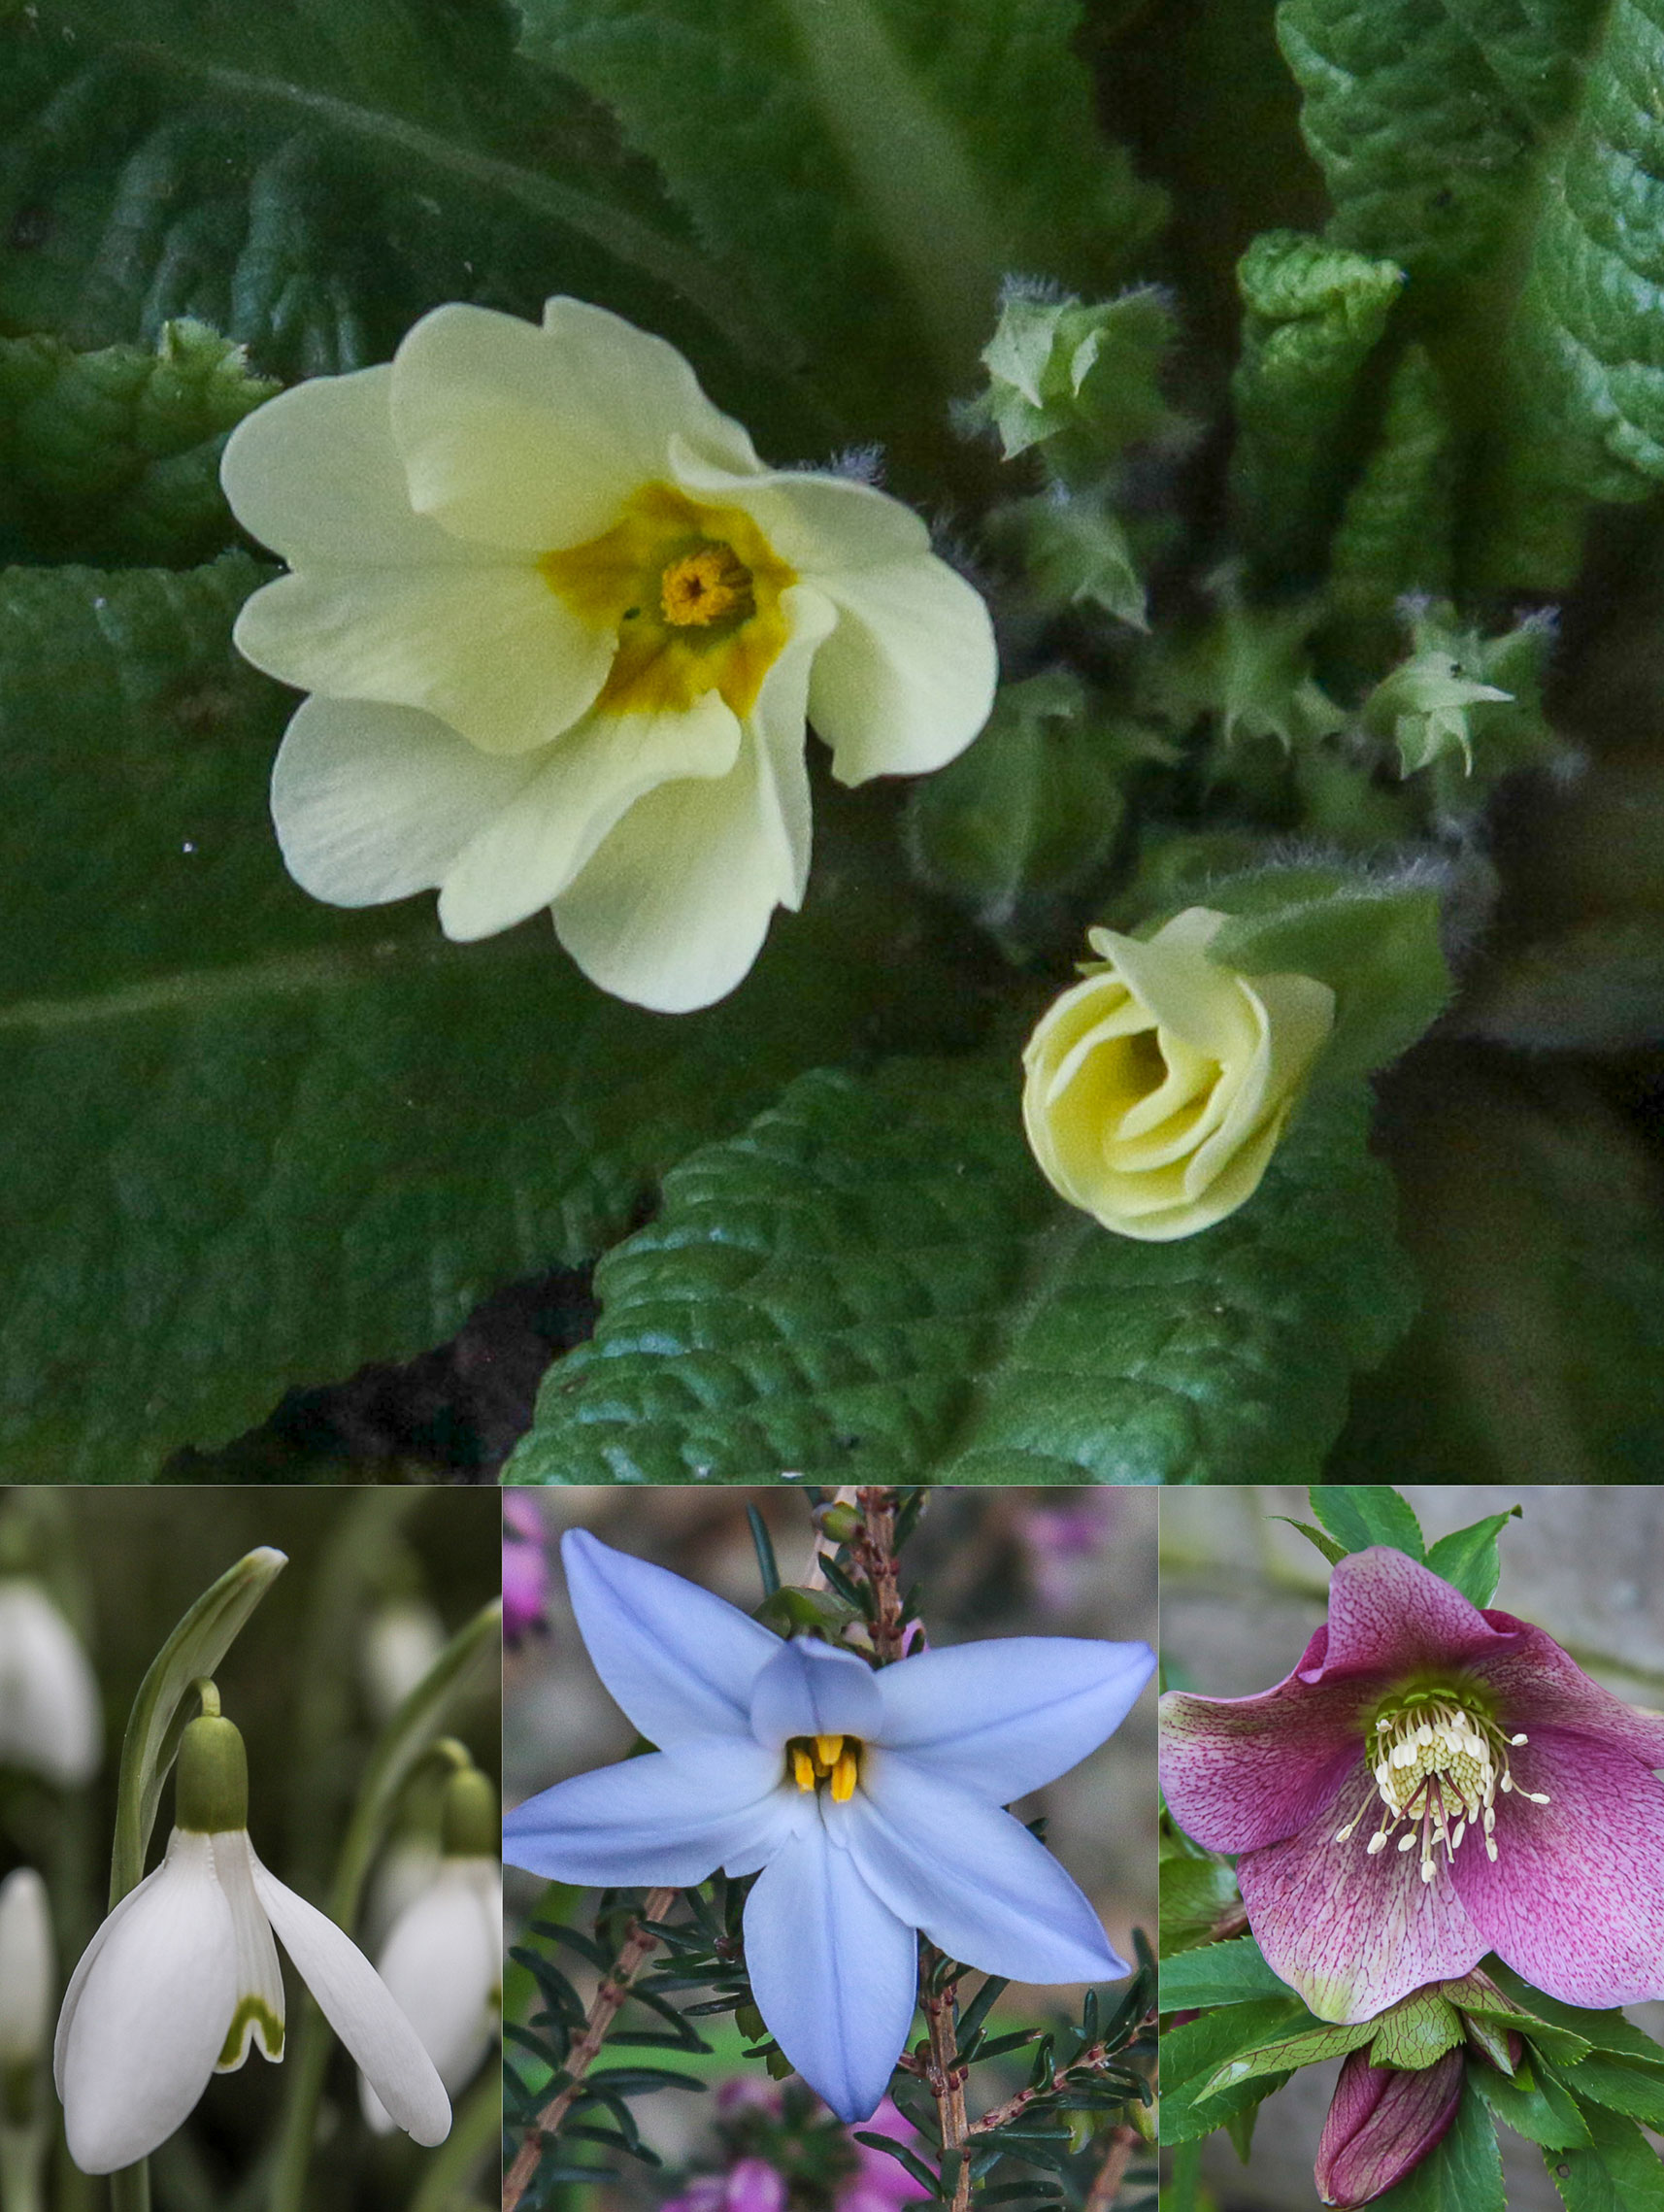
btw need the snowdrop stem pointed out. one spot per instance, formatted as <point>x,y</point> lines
<point>21,2150</point>
<point>875,1556</point>
<point>602,2010</point>
<point>474,2133</point>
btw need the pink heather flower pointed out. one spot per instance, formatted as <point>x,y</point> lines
<point>880,2182</point>
<point>1382,2123</point>
<point>1431,1783</point>
<point>525,1565</point>
<point>750,2185</point>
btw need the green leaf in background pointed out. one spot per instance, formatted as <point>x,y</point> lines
<point>1313,314</point>
<point>1360,1516</point>
<point>874,1284</point>
<point>1621,2172</point>
<point>881,165</point>
<point>1191,2054</point>
<point>1632,2086</point>
<point>1222,1973</point>
<point>1463,2174</point>
<point>1467,1558</point>
<point>1398,529</point>
<point>1539,2110</point>
<point>115,454</point>
<point>1606,2031</point>
<point>251,1141</point>
<point>1197,1894</point>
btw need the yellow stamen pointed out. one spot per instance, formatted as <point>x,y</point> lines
<point>828,1749</point>
<point>803,1769</point>
<point>844,1779</point>
<point>705,586</point>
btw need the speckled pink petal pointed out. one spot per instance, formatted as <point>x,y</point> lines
<point>1352,1934</point>
<point>1389,1618</point>
<point>1575,1900</point>
<point>1538,1684</point>
<point>1240,1773</point>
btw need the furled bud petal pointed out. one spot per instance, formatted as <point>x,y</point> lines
<point>1157,1087</point>
<point>1382,2123</point>
<point>49,1716</point>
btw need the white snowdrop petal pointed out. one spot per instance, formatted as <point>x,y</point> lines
<point>257,2011</point>
<point>145,2021</point>
<point>28,1968</point>
<point>50,1720</point>
<point>355,2002</point>
<point>443,1964</point>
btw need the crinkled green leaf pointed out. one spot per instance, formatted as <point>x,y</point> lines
<point>874,1283</point>
<point>249,1141</point>
<point>1425,114</point>
<point>308,180</point>
<point>1462,2173</point>
<point>1314,312</point>
<point>1309,2049</point>
<point>1416,2033</point>
<point>1621,2171</point>
<point>115,454</point>
<point>1397,531</point>
<point>880,165</point>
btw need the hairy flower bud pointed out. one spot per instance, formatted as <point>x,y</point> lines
<point>1157,1087</point>
<point>1381,2122</point>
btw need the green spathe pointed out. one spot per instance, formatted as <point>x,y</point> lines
<point>471,1819</point>
<point>212,1789</point>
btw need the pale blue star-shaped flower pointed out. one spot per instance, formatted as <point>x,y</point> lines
<point>868,1801</point>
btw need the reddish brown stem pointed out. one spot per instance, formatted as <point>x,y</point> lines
<point>944,2073</point>
<point>603,2011</point>
<point>1124,2144</point>
<point>875,1554</point>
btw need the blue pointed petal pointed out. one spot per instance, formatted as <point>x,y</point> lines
<point>808,1688</point>
<point>669,1818</point>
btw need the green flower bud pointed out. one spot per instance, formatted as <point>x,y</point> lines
<point>1077,376</point>
<point>469,1817</point>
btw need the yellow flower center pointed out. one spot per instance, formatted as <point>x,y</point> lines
<point>812,1760</point>
<point>691,595</point>
<point>1440,1766</point>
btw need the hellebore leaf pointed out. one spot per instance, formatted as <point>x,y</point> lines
<point>1194,1893</point>
<point>251,1141</point>
<point>1606,2031</point>
<point>1359,1516</point>
<point>1631,2085</point>
<point>1541,2110</point>
<point>1191,2054</point>
<point>1619,2172</point>
<point>1221,1974</point>
<point>1462,2173</point>
<point>1468,1558</point>
<point>1415,2033</point>
<point>874,1284</point>
<point>1310,2049</point>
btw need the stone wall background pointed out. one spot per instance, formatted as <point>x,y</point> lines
<point>1241,1593</point>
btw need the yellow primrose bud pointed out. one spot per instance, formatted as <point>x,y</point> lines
<point>1156,1089</point>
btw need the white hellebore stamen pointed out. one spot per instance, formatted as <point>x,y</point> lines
<point>1439,1764</point>
<point>184,1977</point>
<point>868,1802</point>
<point>443,1958</point>
<point>49,1716</point>
<point>564,632</point>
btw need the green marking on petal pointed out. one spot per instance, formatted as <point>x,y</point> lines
<point>253,2016</point>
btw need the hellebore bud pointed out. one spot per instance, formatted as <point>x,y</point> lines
<point>1381,2122</point>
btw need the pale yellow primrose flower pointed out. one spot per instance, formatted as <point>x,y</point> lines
<point>563,630</point>
<point>1157,1087</point>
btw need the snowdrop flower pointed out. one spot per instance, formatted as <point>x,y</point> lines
<point>563,630</point>
<point>183,1978</point>
<point>27,1978</point>
<point>49,1716</point>
<point>442,1959</point>
<point>869,1800</point>
<point>401,1641</point>
<point>1156,1089</point>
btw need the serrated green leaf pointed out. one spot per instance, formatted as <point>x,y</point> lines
<point>1425,114</point>
<point>249,1141</point>
<point>1397,531</point>
<point>1468,1559</point>
<point>1359,1516</point>
<point>880,165</point>
<point>1539,2110</point>
<point>1192,2054</point>
<point>1221,1974</point>
<point>874,1284</point>
<point>1632,2086</point>
<point>1606,2031</point>
<point>1283,2057</point>
<point>1621,2171</point>
<point>1315,314</point>
<point>1334,1552</point>
<point>1463,2174</point>
<point>114,455</point>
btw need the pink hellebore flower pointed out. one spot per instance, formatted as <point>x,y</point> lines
<point>1381,2124</point>
<point>1431,1783</point>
